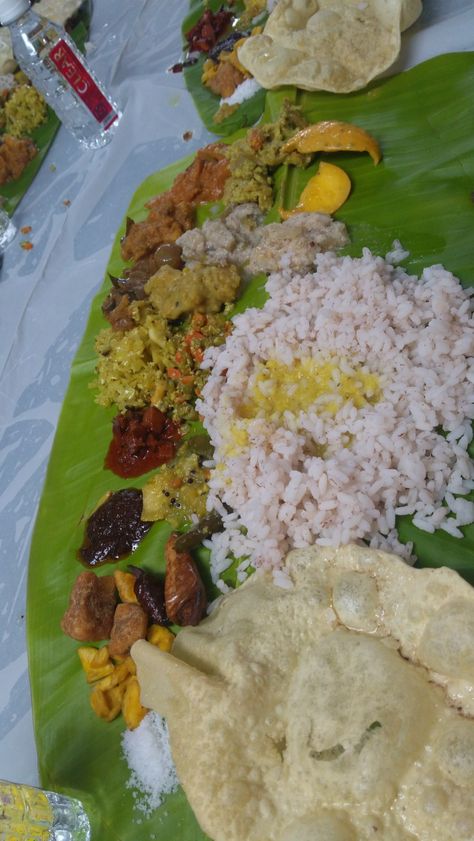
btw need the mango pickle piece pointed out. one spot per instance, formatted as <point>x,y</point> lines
<point>325,192</point>
<point>133,711</point>
<point>333,136</point>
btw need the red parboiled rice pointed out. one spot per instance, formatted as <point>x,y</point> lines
<point>417,335</point>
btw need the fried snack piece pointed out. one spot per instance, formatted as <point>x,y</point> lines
<point>160,636</point>
<point>109,695</point>
<point>125,583</point>
<point>132,709</point>
<point>120,673</point>
<point>130,624</point>
<point>96,662</point>
<point>90,615</point>
<point>15,154</point>
<point>108,704</point>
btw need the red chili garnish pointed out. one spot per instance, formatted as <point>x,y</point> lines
<point>142,440</point>
<point>207,31</point>
<point>180,65</point>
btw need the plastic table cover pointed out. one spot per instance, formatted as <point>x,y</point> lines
<point>74,208</point>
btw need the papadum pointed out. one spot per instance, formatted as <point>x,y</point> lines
<point>332,45</point>
<point>334,709</point>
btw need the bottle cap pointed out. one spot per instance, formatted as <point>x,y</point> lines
<point>10,10</point>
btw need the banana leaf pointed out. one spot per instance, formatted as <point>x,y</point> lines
<point>206,102</point>
<point>43,136</point>
<point>420,194</point>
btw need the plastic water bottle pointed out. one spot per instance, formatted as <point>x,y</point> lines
<point>31,814</point>
<point>7,229</point>
<point>59,71</point>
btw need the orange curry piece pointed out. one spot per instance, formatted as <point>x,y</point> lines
<point>172,213</point>
<point>226,79</point>
<point>15,154</point>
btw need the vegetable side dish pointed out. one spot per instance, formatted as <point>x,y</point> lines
<point>171,304</point>
<point>303,418</point>
<point>22,109</point>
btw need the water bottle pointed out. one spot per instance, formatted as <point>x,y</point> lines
<point>7,230</point>
<point>32,814</point>
<point>59,71</point>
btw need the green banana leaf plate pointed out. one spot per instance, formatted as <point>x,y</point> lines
<point>206,102</point>
<point>43,136</point>
<point>421,194</point>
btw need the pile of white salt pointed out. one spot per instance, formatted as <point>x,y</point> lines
<point>148,756</point>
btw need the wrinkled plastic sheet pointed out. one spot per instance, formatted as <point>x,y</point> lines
<point>74,209</point>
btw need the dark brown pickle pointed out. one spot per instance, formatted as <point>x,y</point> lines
<point>169,254</point>
<point>115,529</point>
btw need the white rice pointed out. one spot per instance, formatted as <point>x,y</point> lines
<point>397,253</point>
<point>242,92</point>
<point>417,335</point>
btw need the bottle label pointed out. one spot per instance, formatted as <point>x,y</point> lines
<point>82,82</point>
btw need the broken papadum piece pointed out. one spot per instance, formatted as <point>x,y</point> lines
<point>335,709</point>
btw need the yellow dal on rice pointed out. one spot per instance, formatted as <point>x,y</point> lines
<point>280,388</point>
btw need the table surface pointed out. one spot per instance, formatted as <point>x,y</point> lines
<point>74,208</point>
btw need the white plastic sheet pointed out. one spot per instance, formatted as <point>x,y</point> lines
<point>45,293</point>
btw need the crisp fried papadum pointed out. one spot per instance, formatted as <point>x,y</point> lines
<point>337,707</point>
<point>332,45</point>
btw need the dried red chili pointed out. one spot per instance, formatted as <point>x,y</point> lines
<point>142,440</point>
<point>207,31</point>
